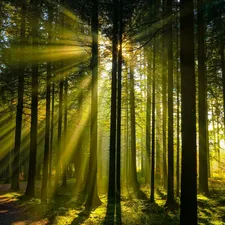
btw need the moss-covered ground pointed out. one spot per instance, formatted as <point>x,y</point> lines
<point>69,209</point>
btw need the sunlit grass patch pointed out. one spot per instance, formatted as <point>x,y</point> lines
<point>65,216</point>
<point>10,197</point>
<point>79,215</point>
<point>210,211</point>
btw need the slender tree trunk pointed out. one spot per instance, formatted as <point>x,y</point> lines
<point>152,195</point>
<point>142,87</point>
<point>170,186</point>
<point>188,206</point>
<point>157,137</point>
<point>223,76</point>
<point>47,120</point>
<point>164,81</point>
<point>79,154</point>
<point>207,142</point>
<point>133,169</point>
<point>93,198</point>
<point>112,149</point>
<point>127,133</point>
<point>202,104</point>
<point>59,148</point>
<point>214,129</point>
<point>148,118</point>
<point>19,111</point>
<point>178,120</point>
<point>30,191</point>
<point>65,164</point>
<point>52,134</point>
<point>60,119</point>
<point>218,138</point>
<point>118,149</point>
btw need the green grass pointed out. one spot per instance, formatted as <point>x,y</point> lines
<point>69,209</point>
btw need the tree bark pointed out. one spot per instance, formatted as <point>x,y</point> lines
<point>30,191</point>
<point>118,149</point>
<point>60,119</point>
<point>188,206</point>
<point>152,195</point>
<point>133,169</point>
<point>44,189</point>
<point>93,198</point>
<point>164,112</point>
<point>19,110</point>
<point>65,164</point>
<point>148,118</point>
<point>52,134</point>
<point>202,104</point>
<point>170,202</point>
<point>178,119</point>
<point>112,149</point>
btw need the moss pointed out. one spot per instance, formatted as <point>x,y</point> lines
<point>69,209</point>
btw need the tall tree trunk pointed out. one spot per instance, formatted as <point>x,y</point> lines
<point>30,191</point>
<point>148,118</point>
<point>170,202</point>
<point>60,118</point>
<point>118,137</point>
<point>142,87</point>
<point>93,198</point>
<point>214,129</point>
<point>65,164</point>
<point>157,137</point>
<point>133,169</point>
<point>118,149</point>
<point>218,136</point>
<point>19,110</point>
<point>178,118</point>
<point>59,148</point>
<point>164,112</point>
<point>188,206</point>
<point>223,76</point>
<point>47,120</point>
<point>207,142</point>
<point>79,152</point>
<point>52,134</point>
<point>152,195</point>
<point>202,104</point>
<point>126,139</point>
<point>112,148</point>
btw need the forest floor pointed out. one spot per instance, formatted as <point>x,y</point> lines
<point>67,209</point>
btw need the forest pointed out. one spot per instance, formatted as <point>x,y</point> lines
<point>112,112</point>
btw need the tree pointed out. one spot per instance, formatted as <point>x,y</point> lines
<point>152,195</point>
<point>188,214</point>
<point>112,148</point>
<point>148,117</point>
<point>65,166</point>
<point>178,114</point>
<point>20,102</point>
<point>30,190</point>
<point>202,104</point>
<point>52,133</point>
<point>170,186</point>
<point>93,198</point>
<point>133,171</point>
<point>164,112</point>
<point>60,117</point>
<point>118,149</point>
<point>47,122</point>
